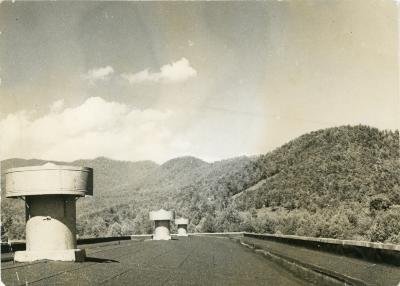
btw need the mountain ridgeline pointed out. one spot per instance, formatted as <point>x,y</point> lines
<point>341,182</point>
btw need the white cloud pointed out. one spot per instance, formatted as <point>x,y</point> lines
<point>95,128</point>
<point>96,74</point>
<point>12,1</point>
<point>57,106</point>
<point>176,72</point>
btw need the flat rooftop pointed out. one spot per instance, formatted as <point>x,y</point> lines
<point>182,261</point>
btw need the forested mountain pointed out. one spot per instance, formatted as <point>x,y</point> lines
<point>341,182</point>
<point>110,175</point>
<point>175,173</point>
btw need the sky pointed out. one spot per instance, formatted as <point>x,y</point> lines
<point>155,80</point>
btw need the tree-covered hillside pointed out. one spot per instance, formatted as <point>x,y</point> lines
<point>341,182</point>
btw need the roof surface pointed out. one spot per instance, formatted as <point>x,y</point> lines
<point>183,261</point>
<point>369,272</point>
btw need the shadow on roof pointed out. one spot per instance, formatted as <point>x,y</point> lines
<point>100,260</point>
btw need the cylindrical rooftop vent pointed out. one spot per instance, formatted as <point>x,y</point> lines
<point>182,224</point>
<point>162,220</point>
<point>50,193</point>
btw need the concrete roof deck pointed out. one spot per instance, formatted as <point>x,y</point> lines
<point>366,272</point>
<point>187,261</point>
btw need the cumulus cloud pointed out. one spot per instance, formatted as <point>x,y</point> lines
<point>102,73</point>
<point>57,106</point>
<point>95,128</point>
<point>178,71</point>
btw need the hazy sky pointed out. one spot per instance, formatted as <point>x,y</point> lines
<point>136,81</point>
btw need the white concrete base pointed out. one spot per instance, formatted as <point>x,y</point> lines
<point>161,232</point>
<point>161,237</point>
<point>182,231</point>
<point>77,255</point>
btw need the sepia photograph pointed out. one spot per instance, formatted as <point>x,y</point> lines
<point>191,143</point>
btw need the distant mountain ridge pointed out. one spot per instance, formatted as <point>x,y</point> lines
<point>175,172</point>
<point>346,180</point>
<point>109,174</point>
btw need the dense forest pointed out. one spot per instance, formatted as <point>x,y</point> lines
<point>341,182</point>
